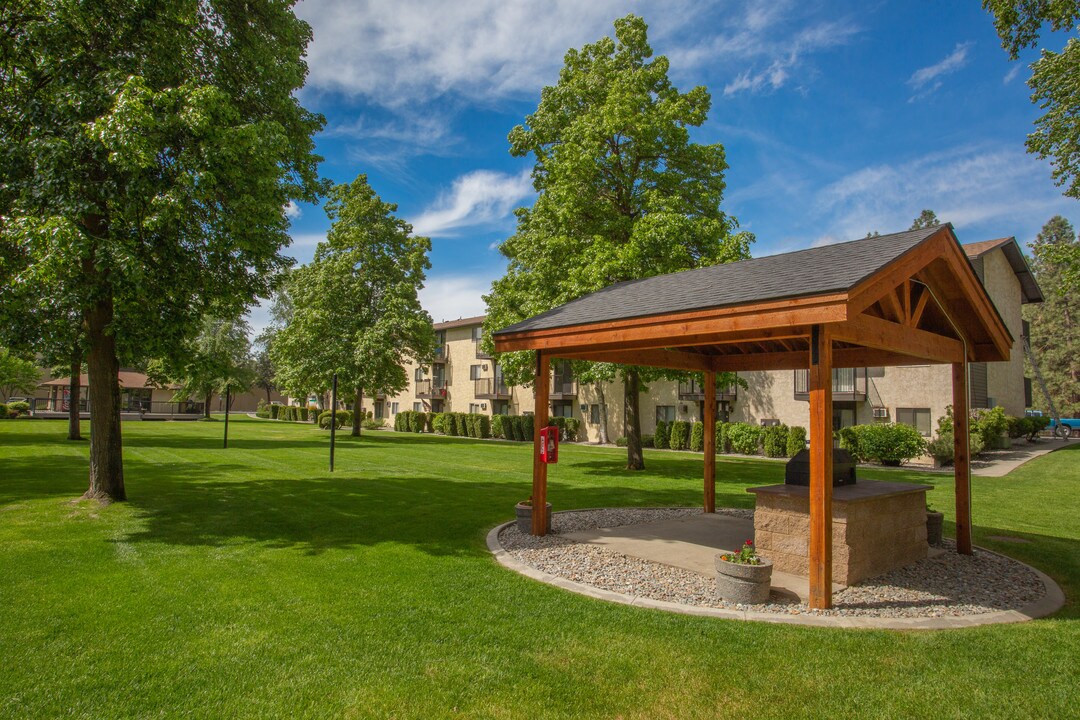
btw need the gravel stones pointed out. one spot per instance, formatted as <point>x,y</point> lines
<point>949,585</point>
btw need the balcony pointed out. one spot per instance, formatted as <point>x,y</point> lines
<point>491,389</point>
<point>430,389</point>
<point>692,390</point>
<point>849,384</point>
<point>442,352</point>
<point>480,354</point>
<point>562,388</point>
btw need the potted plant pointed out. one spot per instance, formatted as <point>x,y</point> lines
<point>743,576</point>
<point>934,523</point>
<point>524,515</point>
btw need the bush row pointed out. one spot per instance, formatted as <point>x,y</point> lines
<point>12,410</point>
<point>342,418</point>
<point>513,427</point>
<point>414,421</point>
<point>887,443</point>
<point>743,438</point>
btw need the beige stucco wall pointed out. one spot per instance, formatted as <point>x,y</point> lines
<point>1005,380</point>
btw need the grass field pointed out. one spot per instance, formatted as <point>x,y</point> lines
<point>251,582</point>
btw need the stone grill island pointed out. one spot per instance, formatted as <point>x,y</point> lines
<point>876,526</point>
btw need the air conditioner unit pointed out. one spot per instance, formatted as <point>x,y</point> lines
<point>881,412</point>
<point>483,406</point>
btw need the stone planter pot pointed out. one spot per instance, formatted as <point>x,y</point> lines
<point>746,584</point>
<point>935,521</point>
<point>524,517</point>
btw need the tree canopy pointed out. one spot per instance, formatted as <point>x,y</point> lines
<point>354,310</point>
<point>1055,79</point>
<point>148,153</point>
<point>17,374</point>
<point>1055,323</point>
<point>927,218</point>
<point>623,193</point>
<point>216,360</point>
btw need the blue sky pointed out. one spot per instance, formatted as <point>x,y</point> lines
<point>837,117</point>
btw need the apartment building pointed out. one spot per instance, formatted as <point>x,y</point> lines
<point>464,379</point>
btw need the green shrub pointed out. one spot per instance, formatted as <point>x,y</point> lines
<point>680,435</point>
<point>941,447</point>
<point>621,441</point>
<point>417,422</point>
<point>723,442</point>
<point>1038,424</point>
<point>648,441</point>
<point>262,413</point>
<point>373,424</point>
<point>796,440</point>
<point>663,432</point>
<point>275,411</point>
<point>304,414</point>
<point>573,426</point>
<point>483,424</point>
<point>4,411</point>
<point>344,417</point>
<point>450,421</point>
<point>990,425</point>
<point>497,426</point>
<point>774,441</point>
<point>697,437</point>
<point>888,443</point>
<point>744,438</point>
<point>528,427</point>
<point>849,440</point>
<point>461,424</point>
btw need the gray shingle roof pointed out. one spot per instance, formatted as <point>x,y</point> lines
<point>816,271</point>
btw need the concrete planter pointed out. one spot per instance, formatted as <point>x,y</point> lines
<point>740,583</point>
<point>935,521</point>
<point>524,517</point>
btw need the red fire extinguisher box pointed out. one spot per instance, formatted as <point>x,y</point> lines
<point>549,444</point>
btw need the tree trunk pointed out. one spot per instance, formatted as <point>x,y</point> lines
<point>268,396</point>
<point>103,367</point>
<point>635,459</point>
<point>358,406</point>
<point>603,438</point>
<point>74,431</point>
<point>206,405</point>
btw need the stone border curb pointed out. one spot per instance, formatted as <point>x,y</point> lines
<point>1052,601</point>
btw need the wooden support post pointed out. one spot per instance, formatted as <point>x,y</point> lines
<point>539,488</point>
<point>961,458</point>
<point>821,468</point>
<point>710,441</point>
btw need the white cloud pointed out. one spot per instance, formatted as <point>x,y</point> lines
<point>450,297</point>
<point>481,197</point>
<point>929,75</point>
<point>991,190</point>
<point>293,211</point>
<point>1011,75</point>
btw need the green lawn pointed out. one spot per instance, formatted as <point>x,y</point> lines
<point>252,582</point>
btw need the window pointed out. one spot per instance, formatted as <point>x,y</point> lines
<point>562,408</point>
<point>477,333</point>
<point>500,407</point>
<point>394,408</point>
<point>594,414</point>
<point>418,407</point>
<point>919,418</point>
<point>474,407</point>
<point>474,372</point>
<point>419,374</point>
<point>440,337</point>
<point>665,413</point>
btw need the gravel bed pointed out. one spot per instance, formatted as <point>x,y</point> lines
<point>946,586</point>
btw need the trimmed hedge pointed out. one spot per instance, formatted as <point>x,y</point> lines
<point>663,432</point>
<point>679,439</point>
<point>344,417</point>
<point>887,443</point>
<point>774,441</point>
<point>3,411</point>
<point>648,441</point>
<point>497,426</point>
<point>744,438</point>
<point>723,444</point>
<point>796,440</point>
<point>697,437</point>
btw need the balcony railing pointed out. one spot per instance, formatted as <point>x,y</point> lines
<point>441,353</point>
<point>693,390</point>
<point>43,406</point>
<point>848,384</point>
<point>480,354</point>
<point>491,388</point>
<point>430,389</point>
<point>563,387</point>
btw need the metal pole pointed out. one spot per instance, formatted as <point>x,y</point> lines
<point>226,417</point>
<point>333,420</point>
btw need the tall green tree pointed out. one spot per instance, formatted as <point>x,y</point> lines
<point>622,193</point>
<point>1054,82</point>
<point>216,360</point>
<point>355,311</point>
<point>1055,322</point>
<point>926,219</point>
<point>148,151</point>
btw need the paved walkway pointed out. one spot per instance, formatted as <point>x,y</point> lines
<point>1000,463</point>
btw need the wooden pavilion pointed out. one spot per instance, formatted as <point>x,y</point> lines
<point>909,298</point>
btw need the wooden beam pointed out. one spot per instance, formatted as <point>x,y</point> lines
<point>897,272</point>
<point>821,468</point>
<point>961,458</point>
<point>893,304</point>
<point>920,306</point>
<point>710,441</point>
<point>540,419</point>
<point>673,359</point>
<point>872,357</point>
<point>874,332</point>
<point>905,296</point>
<point>746,322</point>
<point>792,360</point>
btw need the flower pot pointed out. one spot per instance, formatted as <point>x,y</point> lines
<point>934,523</point>
<point>524,517</point>
<point>741,583</point>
